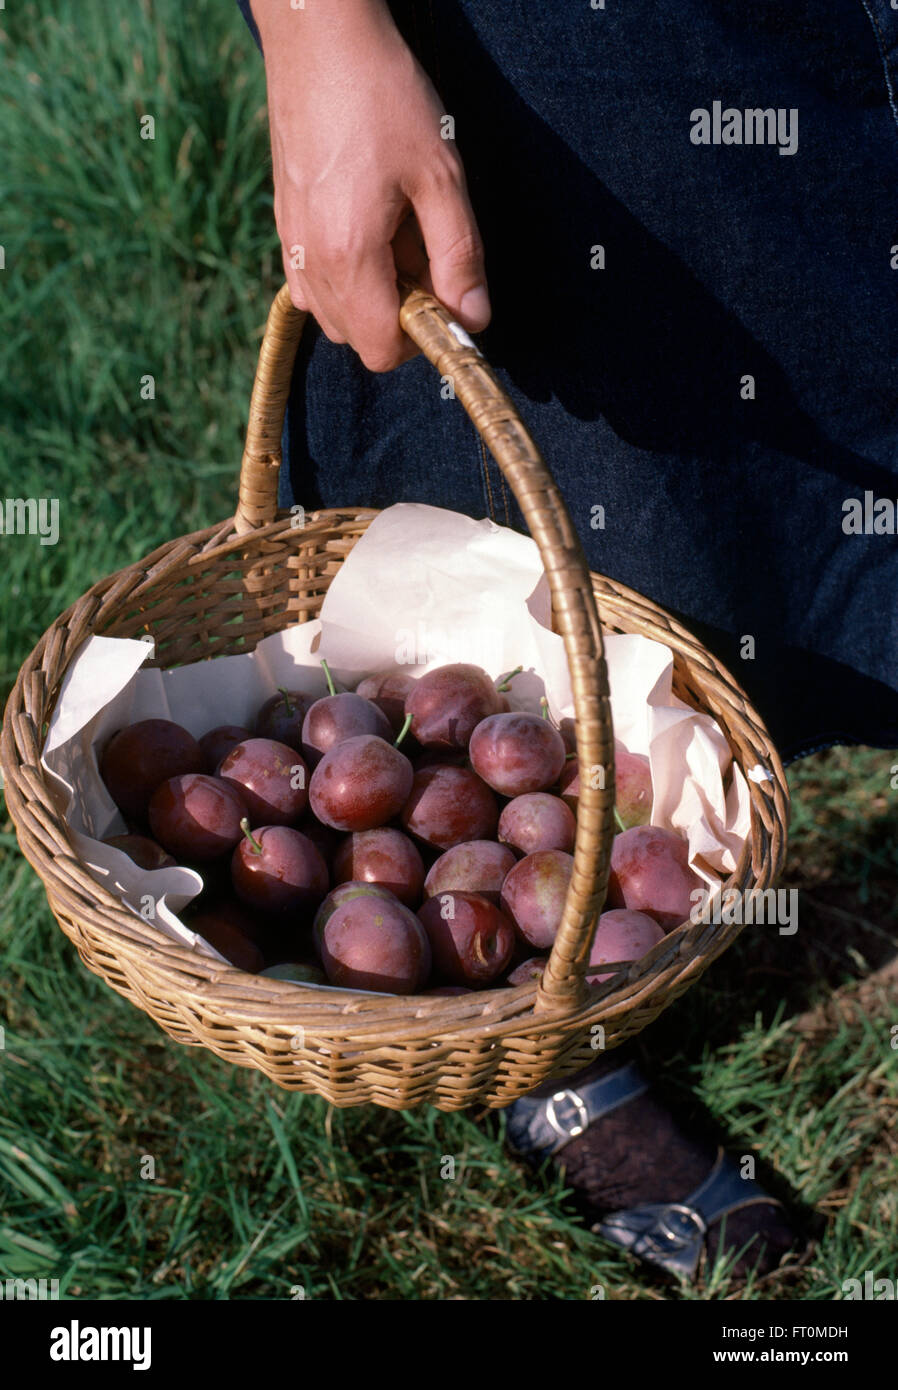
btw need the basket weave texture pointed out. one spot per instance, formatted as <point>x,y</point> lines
<point>218,592</point>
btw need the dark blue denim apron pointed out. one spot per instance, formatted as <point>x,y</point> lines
<point>721,377</point>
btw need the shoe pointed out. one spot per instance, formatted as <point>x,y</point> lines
<point>657,1192</point>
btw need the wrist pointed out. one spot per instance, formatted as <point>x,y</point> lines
<point>318,25</point>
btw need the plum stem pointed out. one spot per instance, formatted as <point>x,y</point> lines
<point>504,682</point>
<point>544,711</point>
<point>568,756</point>
<point>287,704</point>
<point>244,826</point>
<point>403,731</point>
<point>620,824</point>
<point>331,688</point>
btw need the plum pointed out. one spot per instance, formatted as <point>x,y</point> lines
<point>475,866</point>
<point>376,944</point>
<point>297,972</point>
<point>196,817</point>
<point>344,893</point>
<point>325,839</point>
<point>277,869</point>
<point>272,779</point>
<point>632,787</point>
<point>537,821</point>
<point>517,753</point>
<point>144,851</point>
<point>281,717</point>
<point>622,936</point>
<point>534,893</point>
<point>528,972</point>
<point>228,928</point>
<point>218,742</point>
<point>360,784</point>
<point>389,690</point>
<point>447,704</point>
<point>334,718</point>
<point>440,757</point>
<point>139,758</point>
<point>384,856</point>
<point>448,805</point>
<point>470,939</point>
<point>568,730</point>
<point>650,873</point>
<point>569,784</point>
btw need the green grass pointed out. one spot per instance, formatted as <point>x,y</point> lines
<point>126,257</point>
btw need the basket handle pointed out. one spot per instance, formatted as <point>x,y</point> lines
<point>431,325</point>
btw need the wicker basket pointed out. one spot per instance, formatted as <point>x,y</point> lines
<point>219,591</point>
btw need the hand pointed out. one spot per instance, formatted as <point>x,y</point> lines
<point>364,184</point>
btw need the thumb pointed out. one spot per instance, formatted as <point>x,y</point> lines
<point>455,252</point>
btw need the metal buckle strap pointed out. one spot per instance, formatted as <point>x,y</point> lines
<point>670,1235</point>
<point>667,1234</point>
<point>539,1128</point>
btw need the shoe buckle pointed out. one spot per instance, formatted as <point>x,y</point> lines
<point>678,1226</point>
<point>666,1234</point>
<point>574,1116</point>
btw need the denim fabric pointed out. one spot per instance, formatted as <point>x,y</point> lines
<point>721,261</point>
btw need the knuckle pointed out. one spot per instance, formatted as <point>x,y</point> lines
<point>332,334</point>
<point>295,285</point>
<point>377,360</point>
<point>339,244</point>
<point>332,252</point>
<point>445,168</point>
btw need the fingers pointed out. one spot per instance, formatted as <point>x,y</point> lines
<point>410,258</point>
<point>303,295</point>
<point>355,288</point>
<point>409,251</point>
<point>453,242</point>
<point>346,277</point>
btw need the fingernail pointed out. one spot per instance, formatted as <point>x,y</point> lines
<point>475,307</point>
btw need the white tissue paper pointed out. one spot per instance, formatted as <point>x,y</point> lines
<point>422,587</point>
